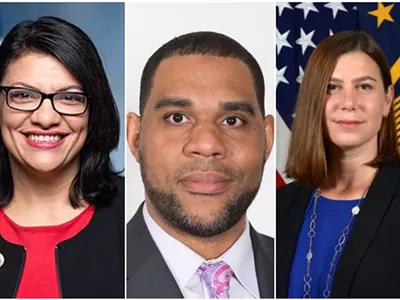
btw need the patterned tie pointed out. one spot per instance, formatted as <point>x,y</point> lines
<point>217,277</point>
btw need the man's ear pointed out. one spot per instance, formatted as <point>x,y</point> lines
<point>269,135</point>
<point>133,133</point>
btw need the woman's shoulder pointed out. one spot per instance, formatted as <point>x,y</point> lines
<point>291,189</point>
<point>116,197</point>
<point>288,194</point>
<point>120,185</point>
<point>387,177</point>
<point>120,190</point>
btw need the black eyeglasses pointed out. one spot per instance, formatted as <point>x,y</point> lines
<point>29,100</point>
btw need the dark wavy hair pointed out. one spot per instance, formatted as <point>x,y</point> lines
<point>95,180</point>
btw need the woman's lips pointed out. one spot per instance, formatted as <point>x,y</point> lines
<point>44,140</point>
<point>44,144</point>
<point>348,123</point>
<point>205,182</point>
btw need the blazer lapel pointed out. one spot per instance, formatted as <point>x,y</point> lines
<point>366,225</point>
<point>287,239</point>
<point>264,261</point>
<point>11,269</point>
<point>148,274</point>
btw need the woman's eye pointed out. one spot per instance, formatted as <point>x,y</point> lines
<point>332,88</point>
<point>177,118</point>
<point>233,121</point>
<point>365,87</point>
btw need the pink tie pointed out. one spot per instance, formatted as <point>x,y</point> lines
<point>217,277</point>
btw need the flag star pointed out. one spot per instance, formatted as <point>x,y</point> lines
<point>282,5</point>
<point>335,6</point>
<point>331,32</point>
<point>299,78</point>
<point>305,40</point>
<point>281,40</point>
<point>355,7</point>
<point>307,7</point>
<point>280,76</point>
<point>382,13</point>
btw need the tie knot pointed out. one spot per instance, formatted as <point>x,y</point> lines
<point>216,277</point>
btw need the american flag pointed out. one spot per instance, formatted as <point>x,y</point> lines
<point>300,27</point>
<point>1,29</point>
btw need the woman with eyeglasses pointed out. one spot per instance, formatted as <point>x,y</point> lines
<point>61,201</point>
<point>338,224</point>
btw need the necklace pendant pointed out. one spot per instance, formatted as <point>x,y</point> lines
<point>355,210</point>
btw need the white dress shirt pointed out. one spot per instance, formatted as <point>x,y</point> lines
<point>183,263</point>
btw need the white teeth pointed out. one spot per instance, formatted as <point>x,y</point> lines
<point>44,138</point>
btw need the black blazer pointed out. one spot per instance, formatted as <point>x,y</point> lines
<point>370,263</point>
<point>90,265</point>
<point>150,277</point>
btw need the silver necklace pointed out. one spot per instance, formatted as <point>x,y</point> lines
<point>338,248</point>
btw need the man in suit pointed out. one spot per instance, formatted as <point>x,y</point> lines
<point>202,142</point>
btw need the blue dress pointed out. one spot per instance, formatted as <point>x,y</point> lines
<point>332,218</point>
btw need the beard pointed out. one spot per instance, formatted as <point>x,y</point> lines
<point>168,204</point>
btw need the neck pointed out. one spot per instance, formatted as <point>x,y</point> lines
<point>348,172</point>
<point>41,198</point>
<point>208,248</point>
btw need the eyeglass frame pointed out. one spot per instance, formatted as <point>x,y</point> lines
<point>44,96</point>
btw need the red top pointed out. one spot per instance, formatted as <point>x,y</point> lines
<point>39,278</point>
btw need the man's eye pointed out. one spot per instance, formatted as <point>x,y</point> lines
<point>177,118</point>
<point>233,121</point>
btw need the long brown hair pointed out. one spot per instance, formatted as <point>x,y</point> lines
<point>307,157</point>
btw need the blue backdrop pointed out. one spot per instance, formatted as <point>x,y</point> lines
<point>104,23</point>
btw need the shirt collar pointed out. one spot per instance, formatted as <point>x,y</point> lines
<point>240,257</point>
<point>183,261</point>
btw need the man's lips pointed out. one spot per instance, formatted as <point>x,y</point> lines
<point>205,182</point>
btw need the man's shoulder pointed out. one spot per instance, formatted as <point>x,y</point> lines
<point>262,241</point>
<point>136,229</point>
<point>266,240</point>
<point>139,243</point>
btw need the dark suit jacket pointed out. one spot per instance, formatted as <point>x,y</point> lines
<point>150,277</point>
<point>370,262</point>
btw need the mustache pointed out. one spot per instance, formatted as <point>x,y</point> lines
<point>205,166</point>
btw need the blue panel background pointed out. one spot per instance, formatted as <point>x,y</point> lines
<point>104,23</point>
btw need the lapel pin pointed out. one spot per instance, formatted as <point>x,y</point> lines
<point>2,260</point>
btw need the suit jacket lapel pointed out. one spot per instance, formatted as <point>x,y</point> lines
<point>264,261</point>
<point>366,225</point>
<point>287,239</point>
<point>150,277</point>
<point>11,269</point>
<point>148,274</point>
